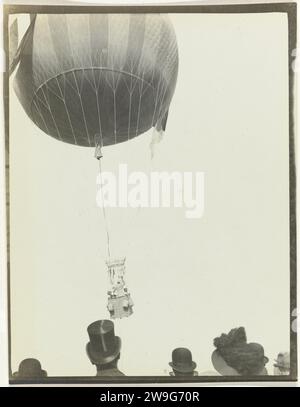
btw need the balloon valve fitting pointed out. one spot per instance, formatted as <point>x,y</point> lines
<point>98,148</point>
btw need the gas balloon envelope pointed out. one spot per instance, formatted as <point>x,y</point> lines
<point>89,79</point>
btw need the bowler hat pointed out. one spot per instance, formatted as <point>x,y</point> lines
<point>104,346</point>
<point>182,360</point>
<point>30,368</point>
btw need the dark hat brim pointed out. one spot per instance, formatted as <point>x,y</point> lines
<point>183,369</point>
<point>42,373</point>
<point>98,357</point>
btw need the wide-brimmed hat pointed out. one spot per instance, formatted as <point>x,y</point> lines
<point>245,358</point>
<point>221,366</point>
<point>182,360</point>
<point>30,368</point>
<point>104,346</point>
<point>283,360</point>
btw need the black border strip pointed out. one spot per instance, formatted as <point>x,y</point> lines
<point>291,10</point>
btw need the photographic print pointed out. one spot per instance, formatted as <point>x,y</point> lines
<point>151,193</point>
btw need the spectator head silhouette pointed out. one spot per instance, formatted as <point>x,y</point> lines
<point>30,369</point>
<point>234,356</point>
<point>104,346</point>
<point>282,364</point>
<point>182,363</point>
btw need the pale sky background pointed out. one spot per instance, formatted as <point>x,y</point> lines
<point>190,280</point>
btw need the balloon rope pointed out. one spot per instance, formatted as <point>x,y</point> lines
<point>104,212</point>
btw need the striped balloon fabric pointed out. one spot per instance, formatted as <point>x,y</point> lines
<point>107,77</point>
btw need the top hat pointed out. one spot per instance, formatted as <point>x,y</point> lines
<point>182,360</point>
<point>104,346</point>
<point>283,360</point>
<point>30,368</point>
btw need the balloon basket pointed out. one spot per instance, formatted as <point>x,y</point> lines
<point>120,307</point>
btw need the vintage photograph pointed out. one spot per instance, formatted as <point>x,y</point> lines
<point>151,193</point>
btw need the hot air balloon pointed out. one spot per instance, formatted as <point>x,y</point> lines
<point>95,80</point>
